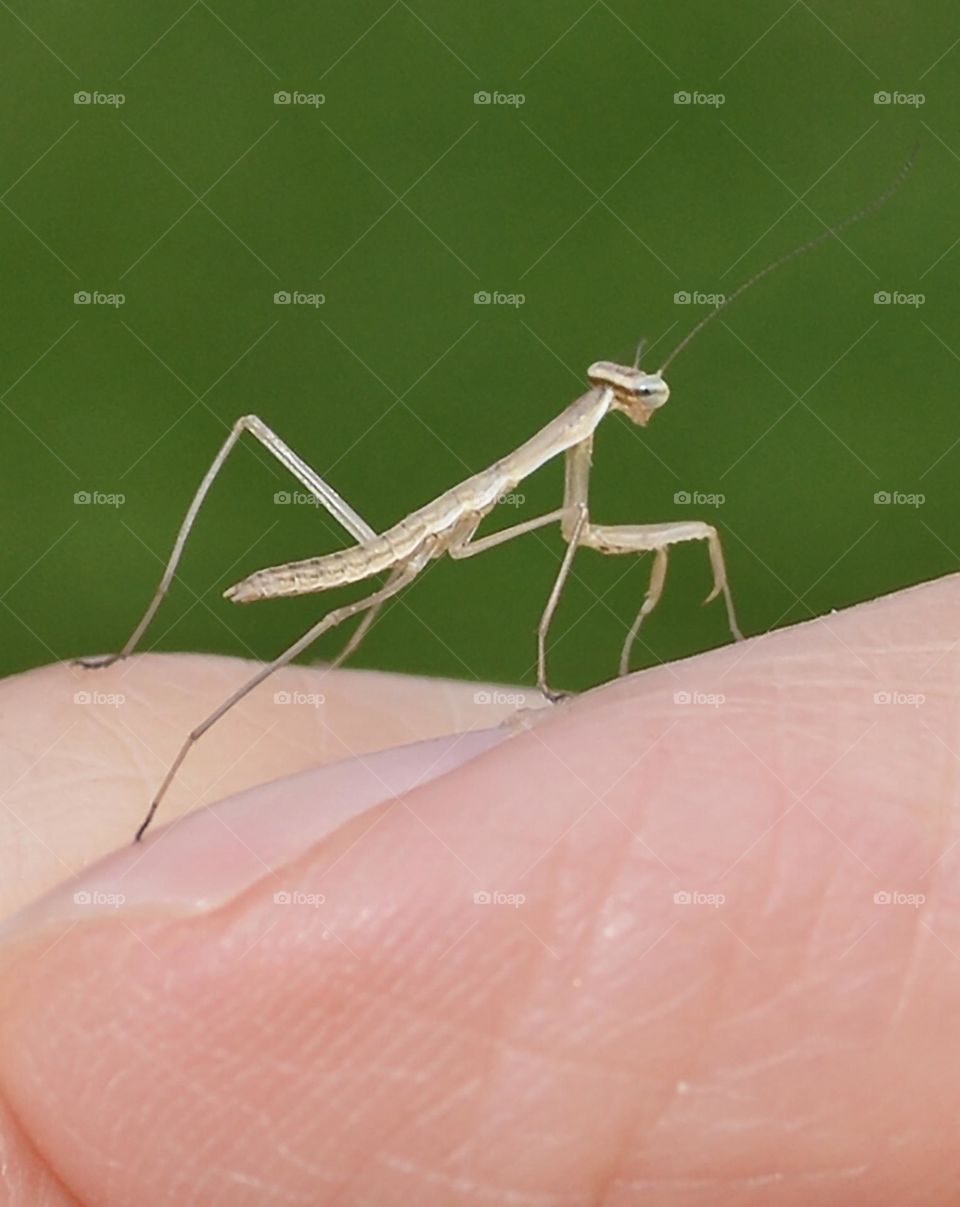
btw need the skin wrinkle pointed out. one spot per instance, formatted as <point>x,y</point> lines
<point>907,978</point>
<point>185,1086</point>
<point>590,941</point>
<point>404,1127</point>
<point>620,1026</point>
<point>423,1084</point>
<point>312,1040</point>
<point>500,1194</point>
<point>834,870</point>
<point>162,1060</point>
<point>614,1181</point>
<point>744,1071</point>
<point>55,1192</point>
<point>284,1145</point>
<point>765,879</point>
<point>540,1078</point>
<point>118,739</point>
<point>845,1173</point>
<point>514,1048</point>
<point>272,1193</point>
<point>140,760</point>
<point>606,891</point>
<point>664,1008</point>
<point>625,1142</point>
<point>190,1184</point>
<point>501,1044</point>
<point>279,1126</point>
<point>455,1155</point>
<point>752,1181</point>
<point>506,1047</point>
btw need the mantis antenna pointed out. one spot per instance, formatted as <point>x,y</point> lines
<point>810,244</point>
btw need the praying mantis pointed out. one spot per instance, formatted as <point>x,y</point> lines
<point>448,524</point>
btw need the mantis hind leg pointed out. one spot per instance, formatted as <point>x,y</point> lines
<point>400,577</point>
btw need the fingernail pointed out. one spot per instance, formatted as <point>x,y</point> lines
<point>207,858</point>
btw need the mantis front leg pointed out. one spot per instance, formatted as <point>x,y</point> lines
<point>639,538</point>
<point>657,539</point>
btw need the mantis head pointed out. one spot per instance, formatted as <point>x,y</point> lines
<point>637,393</point>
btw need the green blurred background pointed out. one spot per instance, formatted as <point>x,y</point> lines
<point>399,198</point>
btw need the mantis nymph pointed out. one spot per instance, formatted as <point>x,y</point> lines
<point>448,524</point>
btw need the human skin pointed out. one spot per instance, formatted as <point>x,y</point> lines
<point>300,999</point>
